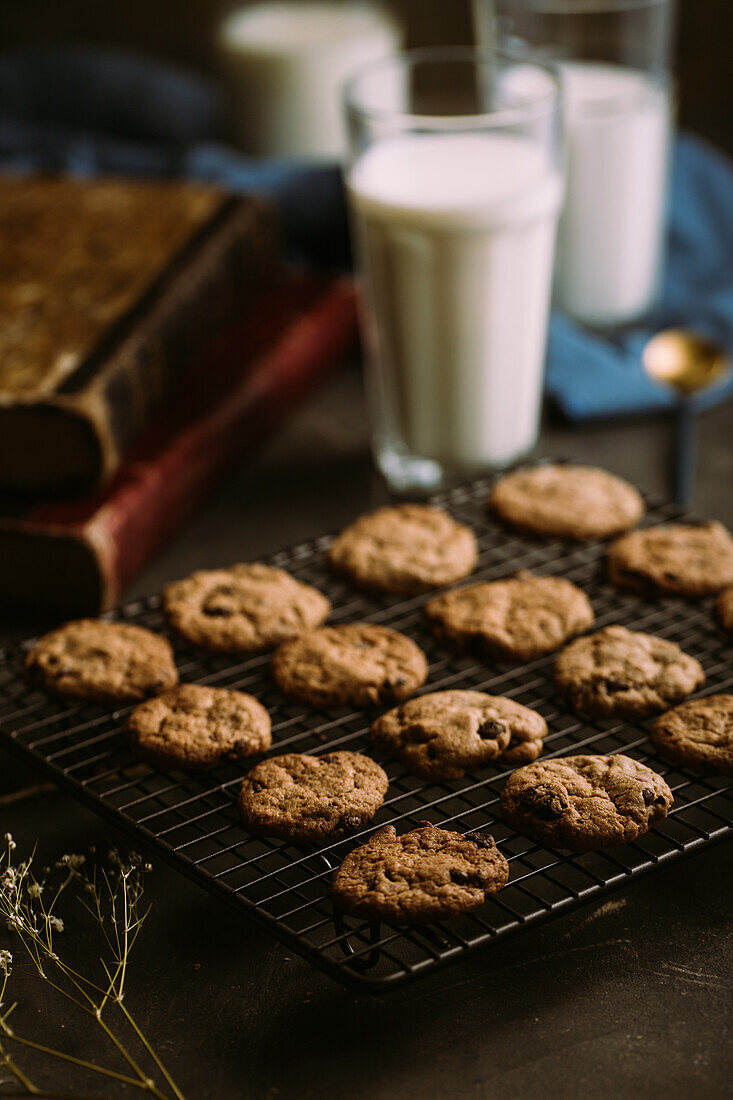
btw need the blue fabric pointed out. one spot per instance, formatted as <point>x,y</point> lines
<point>92,112</point>
<point>592,377</point>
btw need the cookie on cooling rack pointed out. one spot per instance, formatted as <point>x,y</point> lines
<point>445,734</point>
<point>567,502</point>
<point>312,798</point>
<point>405,548</point>
<point>358,663</point>
<point>520,617</point>
<point>698,734</point>
<point>195,726</point>
<point>626,673</point>
<point>724,609</point>
<point>100,660</point>
<point>242,609</point>
<point>682,559</point>
<point>427,874</point>
<point>585,802</point>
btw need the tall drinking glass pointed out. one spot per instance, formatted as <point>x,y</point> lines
<point>454,184</point>
<point>615,60</point>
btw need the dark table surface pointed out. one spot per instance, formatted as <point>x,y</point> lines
<point>628,997</point>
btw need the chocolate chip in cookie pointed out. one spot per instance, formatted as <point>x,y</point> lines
<point>698,734</point>
<point>242,609</point>
<point>445,734</point>
<point>519,617</point>
<point>405,548</point>
<point>682,559</point>
<point>585,802</point>
<point>566,501</point>
<point>624,672</point>
<point>427,874</point>
<point>312,798</point>
<point>357,663</point>
<point>194,726</point>
<point>101,660</point>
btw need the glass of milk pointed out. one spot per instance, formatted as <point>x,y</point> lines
<point>614,56</point>
<point>455,187</point>
<point>284,63</point>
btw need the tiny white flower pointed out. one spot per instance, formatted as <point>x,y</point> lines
<point>8,838</point>
<point>7,879</point>
<point>6,959</point>
<point>56,923</point>
<point>73,861</point>
<point>148,867</point>
<point>35,889</point>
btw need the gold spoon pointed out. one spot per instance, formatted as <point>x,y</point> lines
<point>686,363</point>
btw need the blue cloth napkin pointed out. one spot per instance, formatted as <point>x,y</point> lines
<point>93,112</point>
<point>589,376</point>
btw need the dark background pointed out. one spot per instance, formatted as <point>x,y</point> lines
<point>629,997</point>
<point>182,30</point>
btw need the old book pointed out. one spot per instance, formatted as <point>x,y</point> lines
<point>107,287</point>
<point>76,556</point>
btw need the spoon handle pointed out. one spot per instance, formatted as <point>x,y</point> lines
<point>685,457</point>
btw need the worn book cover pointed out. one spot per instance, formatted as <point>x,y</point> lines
<point>107,288</point>
<point>76,556</point>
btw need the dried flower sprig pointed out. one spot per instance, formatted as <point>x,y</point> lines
<point>111,895</point>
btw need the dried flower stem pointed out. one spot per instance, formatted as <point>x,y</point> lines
<point>115,907</point>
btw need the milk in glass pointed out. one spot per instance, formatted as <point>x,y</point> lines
<point>611,237</point>
<point>456,236</point>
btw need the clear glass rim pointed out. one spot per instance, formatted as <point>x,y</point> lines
<point>542,104</point>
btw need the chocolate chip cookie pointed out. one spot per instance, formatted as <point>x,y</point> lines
<point>312,798</point>
<point>585,802</point>
<point>624,672</point>
<point>698,734</point>
<point>681,558</point>
<point>358,663</point>
<point>194,726</point>
<point>567,502</point>
<point>424,875</point>
<point>242,609</point>
<point>105,661</point>
<point>447,733</point>
<point>405,549</point>
<point>724,609</point>
<point>520,617</point>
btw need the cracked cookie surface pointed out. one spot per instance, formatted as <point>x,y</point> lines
<point>566,501</point>
<point>698,734</point>
<point>357,663</point>
<point>406,548</point>
<point>444,734</point>
<point>195,726</point>
<point>312,798</point>
<point>426,874</point>
<point>585,802</point>
<point>624,672</point>
<point>101,660</point>
<point>519,617</point>
<point>682,559</point>
<point>242,609</point>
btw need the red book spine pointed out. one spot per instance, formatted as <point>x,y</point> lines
<point>247,384</point>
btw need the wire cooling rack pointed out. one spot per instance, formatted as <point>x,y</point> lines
<point>191,820</point>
